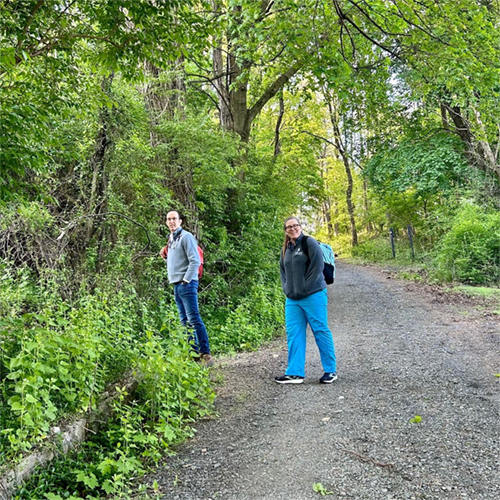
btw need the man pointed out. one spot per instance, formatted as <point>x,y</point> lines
<point>182,265</point>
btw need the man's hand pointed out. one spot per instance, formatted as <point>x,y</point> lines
<point>163,252</point>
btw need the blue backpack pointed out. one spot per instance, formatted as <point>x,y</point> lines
<point>328,259</point>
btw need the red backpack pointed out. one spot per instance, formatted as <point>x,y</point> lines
<point>202,261</point>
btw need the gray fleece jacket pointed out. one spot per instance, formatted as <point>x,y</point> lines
<point>302,276</point>
<point>182,258</point>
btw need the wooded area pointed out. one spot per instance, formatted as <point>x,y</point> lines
<point>359,116</point>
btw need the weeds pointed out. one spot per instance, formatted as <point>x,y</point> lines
<point>58,356</point>
<point>319,488</point>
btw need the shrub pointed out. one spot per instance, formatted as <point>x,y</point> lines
<point>470,251</point>
<point>374,250</point>
<point>57,357</point>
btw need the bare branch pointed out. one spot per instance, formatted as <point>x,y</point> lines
<point>343,15</point>
<point>372,21</point>
<point>72,224</point>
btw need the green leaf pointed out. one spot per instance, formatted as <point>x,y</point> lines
<point>190,394</point>
<point>17,406</point>
<point>319,488</point>
<point>53,496</point>
<point>31,399</point>
<point>88,479</point>
<point>108,487</point>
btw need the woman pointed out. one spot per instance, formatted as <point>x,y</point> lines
<point>305,288</point>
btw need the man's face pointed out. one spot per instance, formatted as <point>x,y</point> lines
<point>173,221</point>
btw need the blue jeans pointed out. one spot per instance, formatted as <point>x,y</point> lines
<point>186,299</point>
<point>312,310</point>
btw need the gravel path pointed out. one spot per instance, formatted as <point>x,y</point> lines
<point>402,352</point>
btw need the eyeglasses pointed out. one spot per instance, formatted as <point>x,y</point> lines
<point>293,226</point>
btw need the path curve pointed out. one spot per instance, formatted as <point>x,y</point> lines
<point>401,353</point>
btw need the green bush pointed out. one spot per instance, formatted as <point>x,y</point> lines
<point>469,252</point>
<point>57,357</point>
<point>174,391</point>
<point>374,250</point>
<point>379,250</point>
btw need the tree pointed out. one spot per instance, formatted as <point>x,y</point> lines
<point>44,44</point>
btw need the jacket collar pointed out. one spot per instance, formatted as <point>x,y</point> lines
<point>292,245</point>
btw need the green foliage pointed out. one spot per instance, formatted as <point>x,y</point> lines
<point>319,488</point>
<point>53,59</point>
<point>202,153</point>
<point>102,312</point>
<point>95,151</point>
<point>478,291</point>
<point>469,251</point>
<point>295,169</point>
<point>256,319</point>
<point>421,169</point>
<point>417,419</point>
<point>466,248</point>
<point>58,356</point>
<point>374,250</point>
<point>173,388</point>
<point>378,249</point>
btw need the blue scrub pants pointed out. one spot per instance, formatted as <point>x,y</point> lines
<point>298,313</point>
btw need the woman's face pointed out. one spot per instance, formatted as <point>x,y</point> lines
<point>292,228</point>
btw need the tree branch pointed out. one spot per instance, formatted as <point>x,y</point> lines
<point>342,15</point>
<point>339,148</point>
<point>372,21</point>
<point>272,90</point>
<point>425,30</point>
<point>29,21</point>
<point>72,224</point>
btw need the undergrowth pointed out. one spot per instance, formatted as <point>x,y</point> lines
<point>57,356</point>
<point>465,251</point>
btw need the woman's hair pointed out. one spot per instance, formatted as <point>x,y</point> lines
<point>287,238</point>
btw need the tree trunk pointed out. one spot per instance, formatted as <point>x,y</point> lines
<point>369,225</point>
<point>444,117</point>
<point>345,159</point>
<point>478,151</point>
<point>336,226</point>
<point>327,216</point>
<point>277,140</point>
<point>97,202</point>
<point>230,79</point>
<point>165,100</point>
<point>97,161</point>
<point>484,149</point>
<point>221,85</point>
